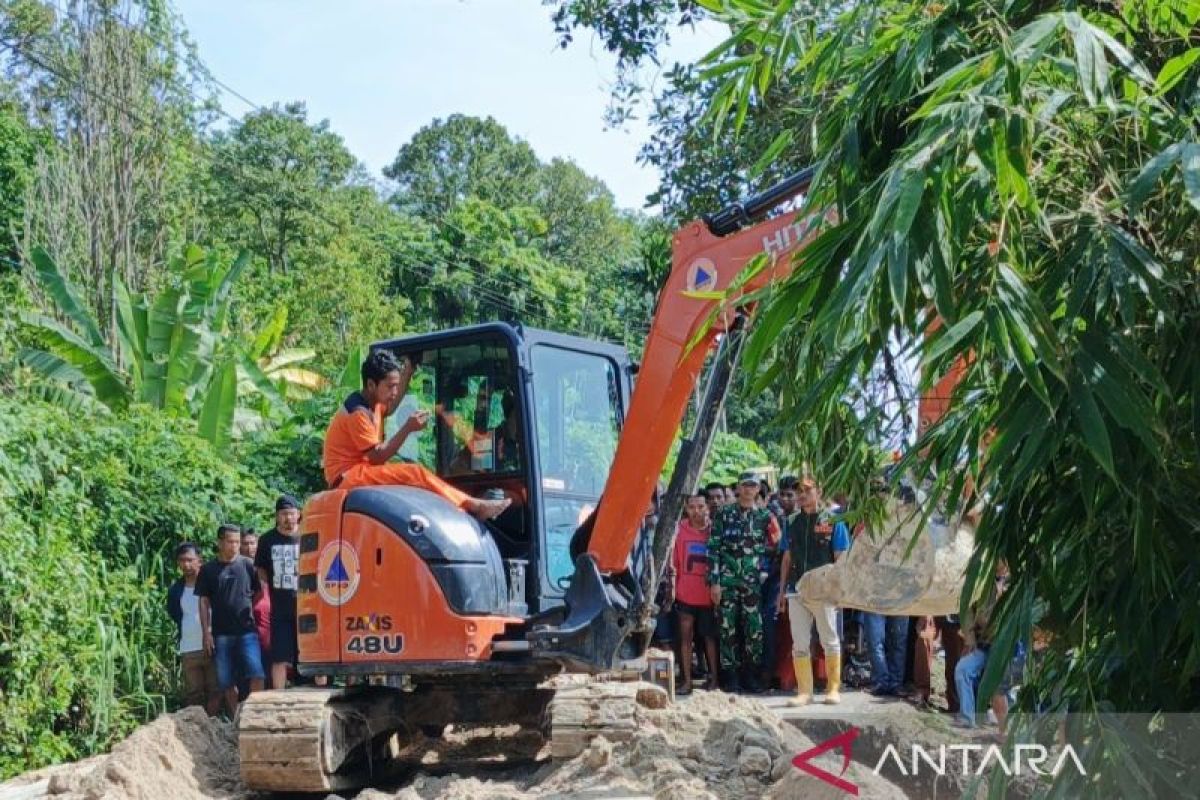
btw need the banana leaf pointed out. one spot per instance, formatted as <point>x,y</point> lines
<point>65,295</point>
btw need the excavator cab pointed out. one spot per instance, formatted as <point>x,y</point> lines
<point>396,581</point>
<point>527,412</point>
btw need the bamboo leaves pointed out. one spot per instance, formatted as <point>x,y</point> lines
<point>1024,177</point>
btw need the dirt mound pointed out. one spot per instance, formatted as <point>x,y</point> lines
<point>709,745</point>
<point>181,756</point>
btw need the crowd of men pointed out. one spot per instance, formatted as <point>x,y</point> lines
<point>236,614</point>
<point>740,551</point>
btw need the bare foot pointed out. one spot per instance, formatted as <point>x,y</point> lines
<point>488,509</point>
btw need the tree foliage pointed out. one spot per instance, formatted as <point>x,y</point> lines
<point>173,353</point>
<point>18,150</point>
<point>114,84</point>
<point>450,160</point>
<point>1029,175</point>
<point>513,238</point>
<point>91,509</point>
<point>274,180</point>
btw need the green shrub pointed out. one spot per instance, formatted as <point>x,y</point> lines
<point>90,511</point>
<point>288,458</point>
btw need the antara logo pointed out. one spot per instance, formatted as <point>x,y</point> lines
<point>843,742</point>
<point>1026,758</point>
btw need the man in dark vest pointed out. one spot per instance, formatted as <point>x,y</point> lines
<point>812,539</point>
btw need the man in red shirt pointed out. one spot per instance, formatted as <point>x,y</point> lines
<point>693,600</point>
<point>262,603</point>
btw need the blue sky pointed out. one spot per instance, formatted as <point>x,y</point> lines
<point>381,69</point>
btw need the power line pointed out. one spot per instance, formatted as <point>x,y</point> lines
<point>61,74</point>
<point>497,300</point>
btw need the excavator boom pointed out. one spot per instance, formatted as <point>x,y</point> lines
<point>696,306</point>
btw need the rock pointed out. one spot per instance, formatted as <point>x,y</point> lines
<point>63,783</point>
<point>782,767</point>
<point>754,761</point>
<point>598,753</point>
<point>757,739</point>
<point>797,785</point>
<point>652,696</point>
<point>692,789</point>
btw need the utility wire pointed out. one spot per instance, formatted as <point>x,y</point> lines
<point>497,300</point>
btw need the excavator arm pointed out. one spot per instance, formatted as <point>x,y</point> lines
<point>695,309</point>
<point>606,610</point>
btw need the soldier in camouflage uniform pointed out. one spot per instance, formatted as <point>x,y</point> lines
<point>736,547</point>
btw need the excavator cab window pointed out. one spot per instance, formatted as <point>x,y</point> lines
<point>475,427</point>
<point>577,413</point>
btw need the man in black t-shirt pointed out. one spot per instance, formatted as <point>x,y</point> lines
<point>278,564</point>
<point>226,588</point>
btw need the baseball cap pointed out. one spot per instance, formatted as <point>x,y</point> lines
<point>286,501</point>
<point>748,477</point>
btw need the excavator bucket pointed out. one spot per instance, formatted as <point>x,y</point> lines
<point>881,576</point>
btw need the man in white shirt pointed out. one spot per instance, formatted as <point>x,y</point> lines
<point>199,672</point>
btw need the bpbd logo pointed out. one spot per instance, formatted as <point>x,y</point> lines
<point>338,573</point>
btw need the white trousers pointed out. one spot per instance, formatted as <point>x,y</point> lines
<point>801,619</point>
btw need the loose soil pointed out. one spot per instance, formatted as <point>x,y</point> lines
<point>708,745</point>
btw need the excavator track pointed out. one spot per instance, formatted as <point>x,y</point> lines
<point>585,710</point>
<point>299,741</point>
<point>323,740</point>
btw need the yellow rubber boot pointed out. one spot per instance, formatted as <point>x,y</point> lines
<point>833,679</point>
<point>804,681</point>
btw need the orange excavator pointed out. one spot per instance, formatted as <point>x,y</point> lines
<point>433,619</point>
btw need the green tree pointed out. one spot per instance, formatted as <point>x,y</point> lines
<point>341,291</point>
<point>730,455</point>
<point>705,164</point>
<point>450,160</point>
<point>113,88</point>
<point>635,31</point>
<point>91,508</point>
<point>1031,175</point>
<point>291,193</point>
<point>18,149</point>
<point>494,269</point>
<point>587,235</point>
<point>274,177</point>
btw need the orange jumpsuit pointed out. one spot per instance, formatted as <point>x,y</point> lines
<point>355,429</point>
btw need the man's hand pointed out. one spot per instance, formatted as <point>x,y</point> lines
<point>209,646</point>
<point>781,602</point>
<point>714,592</point>
<point>416,422</point>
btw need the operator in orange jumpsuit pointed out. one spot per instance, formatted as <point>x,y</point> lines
<point>356,452</point>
